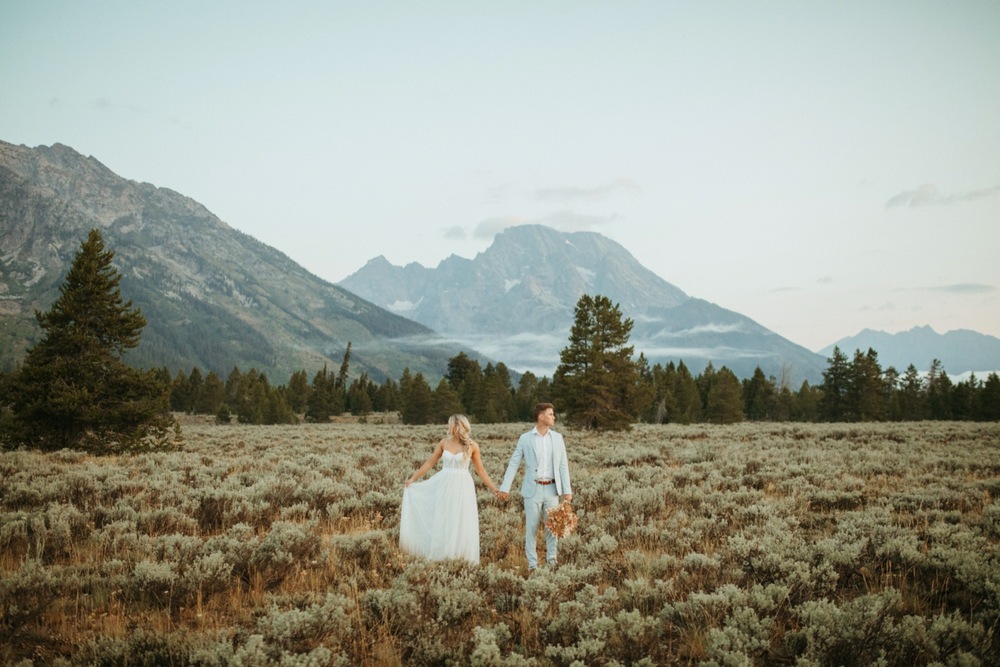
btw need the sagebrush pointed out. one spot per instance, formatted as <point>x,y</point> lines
<point>750,544</point>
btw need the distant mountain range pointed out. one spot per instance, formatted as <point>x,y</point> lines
<point>515,301</point>
<point>213,297</point>
<point>960,351</point>
<point>216,298</point>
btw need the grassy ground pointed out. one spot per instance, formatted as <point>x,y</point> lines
<point>752,544</point>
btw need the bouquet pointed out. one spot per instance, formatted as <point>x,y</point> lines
<point>561,521</point>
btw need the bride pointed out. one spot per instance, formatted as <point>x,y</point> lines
<point>439,518</point>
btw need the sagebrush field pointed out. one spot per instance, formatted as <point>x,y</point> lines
<point>751,544</point>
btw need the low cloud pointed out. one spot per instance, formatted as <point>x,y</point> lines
<point>596,193</point>
<point>963,288</point>
<point>711,328</point>
<point>455,233</point>
<point>654,351</point>
<point>928,195</point>
<point>538,353</point>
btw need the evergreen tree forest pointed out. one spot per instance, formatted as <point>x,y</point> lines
<point>853,390</point>
<point>599,384</point>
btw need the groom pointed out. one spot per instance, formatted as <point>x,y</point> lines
<point>546,477</point>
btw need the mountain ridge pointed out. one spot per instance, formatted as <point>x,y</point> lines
<point>516,299</point>
<point>213,296</point>
<point>959,350</point>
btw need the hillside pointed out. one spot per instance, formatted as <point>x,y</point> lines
<point>214,297</point>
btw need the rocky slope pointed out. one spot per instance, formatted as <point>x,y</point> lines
<point>214,297</point>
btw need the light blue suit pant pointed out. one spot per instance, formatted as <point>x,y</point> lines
<point>545,497</point>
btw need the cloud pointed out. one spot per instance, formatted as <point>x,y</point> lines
<point>923,195</point>
<point>928,195</point>
<point>711,328</point>
<point>588,194</point>
<point>652,350</point>
<point>107,104</point>
<point>963,288</point>
<point>538,353</point>
<point>564,221</point>
<point>455,233</point>
<point>490,227</point>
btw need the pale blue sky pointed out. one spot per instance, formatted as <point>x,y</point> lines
<point>819,167</point>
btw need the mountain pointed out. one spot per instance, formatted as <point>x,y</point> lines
<point>213,297</point>
<point>960,351</point>
<point>515,301</point>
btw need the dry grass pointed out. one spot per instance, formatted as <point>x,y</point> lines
<point>747,544</point>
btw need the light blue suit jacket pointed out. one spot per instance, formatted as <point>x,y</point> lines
<point>525,451</point>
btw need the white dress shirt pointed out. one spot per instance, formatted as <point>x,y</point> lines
<point>543,450</point>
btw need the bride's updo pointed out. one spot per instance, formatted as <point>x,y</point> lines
<point>459,427</point>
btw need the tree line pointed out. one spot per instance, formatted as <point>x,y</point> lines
<point>599,385</point>
<point>663,394</point>
<point>74,389</point>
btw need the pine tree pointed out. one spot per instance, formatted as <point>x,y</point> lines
<point>526,396</point>
<point>74,390</point>
<point>965,399</point>
<point>298,391</point>
<point>466,377</point>
<point>386,398</point>
<point>345,368</point>
<point>833,405</point>
<point>865,395</point>
<point>990,398</point>
<point>910,397</point>
<point>212,395</point>
<point>807,403</point>
<point>497,395</point>
<point>725,398</point>
<point>197,384</point>
<point>180,392</point>
<point>758,396</point>
<point>687,397</point>
<point>445,402</point>
<point>359,396</point>
<point>597,379</point>
<point>416,398</point>
<point>939,388</point>
<point>890,395</point>
<point>319,404</point>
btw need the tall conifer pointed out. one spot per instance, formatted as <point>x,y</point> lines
<point>597,380</point>
<point>74,390</point>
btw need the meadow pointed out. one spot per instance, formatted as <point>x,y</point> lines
<point>748,544</point>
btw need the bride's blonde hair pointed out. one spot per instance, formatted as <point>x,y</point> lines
<point>458,426</point>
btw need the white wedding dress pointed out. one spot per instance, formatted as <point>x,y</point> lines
<point>439,518</point>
